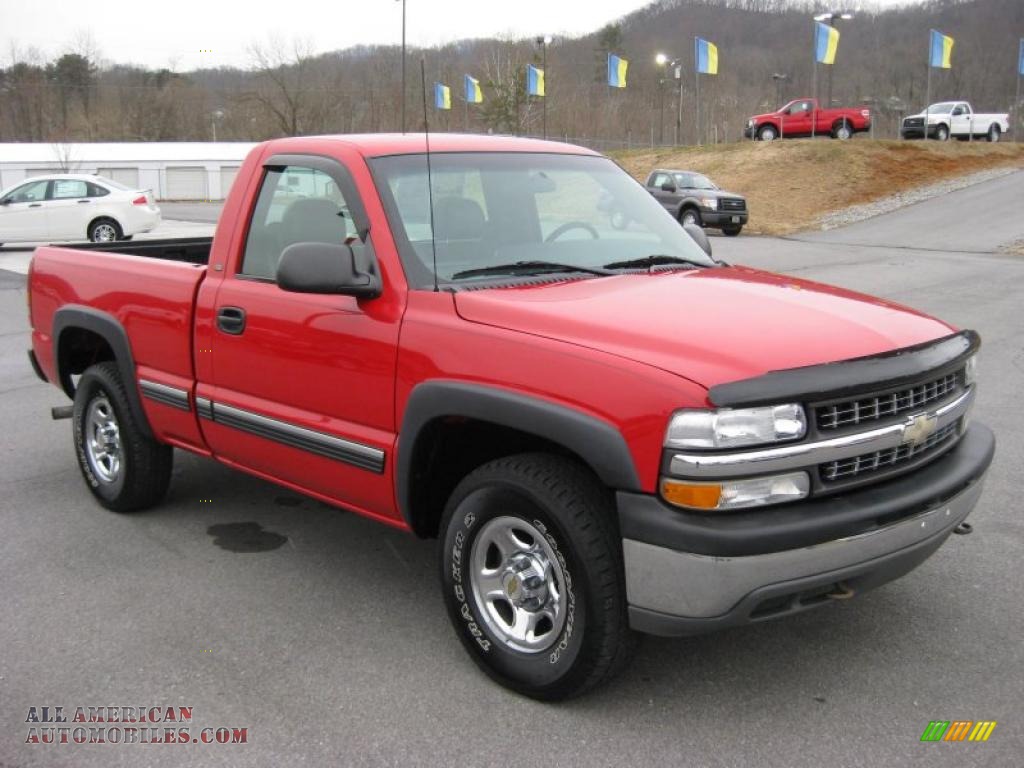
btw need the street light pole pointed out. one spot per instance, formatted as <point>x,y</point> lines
<point>664,61</point>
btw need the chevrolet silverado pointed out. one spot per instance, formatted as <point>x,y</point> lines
<point>607,431</point>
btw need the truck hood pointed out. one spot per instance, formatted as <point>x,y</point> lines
<point>710,326</point>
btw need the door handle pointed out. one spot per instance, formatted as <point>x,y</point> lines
<point>35,205</point>
<point>84,201</point>
<point>231,320</point>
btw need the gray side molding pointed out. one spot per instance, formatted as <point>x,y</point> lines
<point>107,327</point>
<point>598,443</point>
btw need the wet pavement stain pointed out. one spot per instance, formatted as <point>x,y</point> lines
<point>245,537</point>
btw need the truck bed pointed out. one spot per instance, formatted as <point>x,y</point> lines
<point>192,250</point>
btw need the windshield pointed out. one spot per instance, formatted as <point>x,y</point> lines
<point>694,181</point>
<point>494,208</point>
<point>945,107</point>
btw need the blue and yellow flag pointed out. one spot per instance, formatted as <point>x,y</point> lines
<point>940,50</point>
<point>705,56</point>
<point>617,67</point>
<point>534,80</point>
<point>826,43</point>
<point>442,96</point>
<point>473,93</point>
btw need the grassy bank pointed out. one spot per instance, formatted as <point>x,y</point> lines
<point>791,184</point>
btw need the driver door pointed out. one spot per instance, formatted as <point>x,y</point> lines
<point>797,119</point>
<point>303,384</point>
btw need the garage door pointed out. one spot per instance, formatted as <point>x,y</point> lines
<point>227,178</point>
<point>42,172</point>
<point>127,176</point>
<point>185,184</point>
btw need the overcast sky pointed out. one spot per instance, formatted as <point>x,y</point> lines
<point>187,34</point>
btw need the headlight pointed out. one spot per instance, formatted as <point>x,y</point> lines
<point>750,123</point>
<point>736,494</point>
<point>971,370</point>
<point>733,428</point>
<point>709,202</point>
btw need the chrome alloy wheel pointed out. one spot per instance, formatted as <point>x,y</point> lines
<point>518,585</point>
<point>103,440</point>
<point>104,233</point>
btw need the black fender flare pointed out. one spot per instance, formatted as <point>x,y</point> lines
<point>108,328</point>
<point>597,442</point>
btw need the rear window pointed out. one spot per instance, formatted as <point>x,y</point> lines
<point>114,184</point>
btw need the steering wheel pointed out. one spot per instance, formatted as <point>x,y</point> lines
<point>559,231</point>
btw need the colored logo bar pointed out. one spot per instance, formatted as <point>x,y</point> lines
<point>958,730</point>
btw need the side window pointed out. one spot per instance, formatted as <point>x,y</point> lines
<point>32,192</point>
<point>295,205</point>
<point>64,189</point>
<point>684,181</point>
<point>95,190</point>
<point>659,179</point>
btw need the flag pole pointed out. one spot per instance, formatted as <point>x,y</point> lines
<point>928,95</point>
<point>696,89</point>
<point>1016,109</point>
<point>814,74</point>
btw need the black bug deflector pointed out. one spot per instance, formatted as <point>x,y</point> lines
<point>849,377</point>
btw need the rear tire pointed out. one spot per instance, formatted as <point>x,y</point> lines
<point>531,571</point>
<point>842,131</point>
<point>731,231</point>
<point>124,469</point>
<point>105,230</point>
<point>994,133</point>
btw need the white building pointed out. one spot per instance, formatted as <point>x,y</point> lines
<point>172,170</point>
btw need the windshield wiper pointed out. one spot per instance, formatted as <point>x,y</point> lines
<point>521,267</point>
<point>654,260</point>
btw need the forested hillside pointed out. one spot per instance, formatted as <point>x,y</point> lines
<point>881,61</point>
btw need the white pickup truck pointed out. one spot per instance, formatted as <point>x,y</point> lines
<point>957,119</point>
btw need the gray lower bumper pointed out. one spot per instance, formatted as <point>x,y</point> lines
<point>678,593</point>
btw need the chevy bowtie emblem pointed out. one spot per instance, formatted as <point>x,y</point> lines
<point>919,428</point>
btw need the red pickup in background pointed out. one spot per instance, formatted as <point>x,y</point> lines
<point>803,117</point>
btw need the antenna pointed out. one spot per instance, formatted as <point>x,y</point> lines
<point>430,183</point>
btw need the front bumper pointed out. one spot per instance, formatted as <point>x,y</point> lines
<point>723,218</point>
<point>688,573</point>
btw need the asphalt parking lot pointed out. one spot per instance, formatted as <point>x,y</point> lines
<point>332,647</point>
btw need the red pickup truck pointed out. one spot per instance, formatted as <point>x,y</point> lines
<point>608,431</point>
<point>803,117</point>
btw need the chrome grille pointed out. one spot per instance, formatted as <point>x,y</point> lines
<point>858,466</point>
<point>732,204</point>
<point>914,122</point>
<point>853,412</point>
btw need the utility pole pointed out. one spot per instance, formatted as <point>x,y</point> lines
<point>403,65</point>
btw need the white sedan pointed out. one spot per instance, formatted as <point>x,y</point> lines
<point>74,207</point>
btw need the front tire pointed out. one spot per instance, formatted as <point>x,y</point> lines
<point>767,133</point>
<point>105,231</point>
<point>942,133</point>
<point>690,217</point>
<point>531,570</point>
<point>124,469</point>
